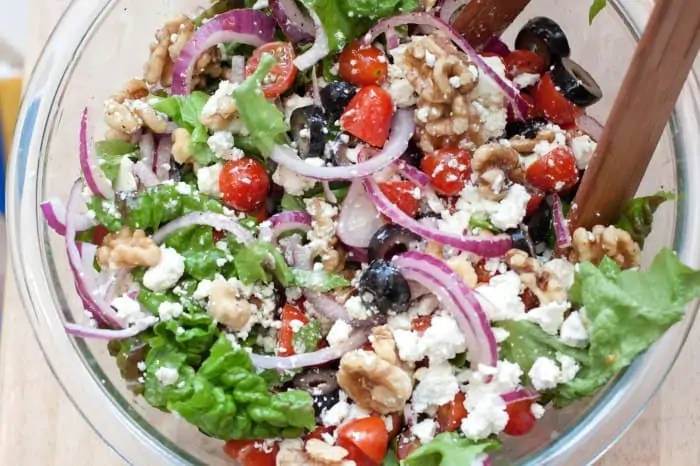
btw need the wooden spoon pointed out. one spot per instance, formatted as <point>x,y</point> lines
<point>649,91</point>
<point>480,20</point>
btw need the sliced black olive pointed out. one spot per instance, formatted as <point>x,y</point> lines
<point>540,223</point>
<point>413,154</point>
<point>309,130</point>
<point>321,384</point>
<point>521,240</point>
<point>525,128</point>
<point>382,287</point>
<point>338,151</point>
<point>389,240</point>
<point>335,97</point>
<point>545,37</point>
<point>575,83</point>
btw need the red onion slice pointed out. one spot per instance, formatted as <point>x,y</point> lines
<point>458,298</point>
<point>448,8</point>
<point>161,162</point>
<point>356,340</point>
<point>401,132</point>
<point>494,246</point>
<point>243,26</point>
<point>411,173</point>
<point>295,23</point>
<point>358,219</point>
<point>288,221</point>
<point>561,225</point>
<point>85,280</point>
<point>521,394</point>
<point>145,174</point>
<point>590,126</point>
<point>426,19</point>
<point>55,214</point>
<point>326,306</point>
<point>147,148</point>
<point>102,334</point>
<point>497,46</point>
<point>318,51</point>
<point>90,165</point>
<point>218,221</point>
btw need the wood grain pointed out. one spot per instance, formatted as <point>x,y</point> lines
<point>40,426</point>
<point>641,111</point>
<point>483,19</point>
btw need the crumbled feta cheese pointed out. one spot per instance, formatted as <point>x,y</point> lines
<point>294,102</point>
<point>388,423</point>
<point>486,416</point>
<point>168,310</point>
<point>545,374</point>
<point>141,366</point>
<point>583,148</point>
<point>203,290</point>
<point>408,345</point>
<point>443,340</point>
<point>292,183</point>
<point>493,119</point>
<point>220,141</point>
<point>293,293</point>
<point>544,148</point>
<point>501,297</point>
<point>549,316</point>
<point>562,270</point>
<point>218,100</point>
<point>125,177</point>
<point>167,272</point>
<point>296,325</point>
<point>208,180</point>
<point>524,80</point>
<point>569,367</point>
<point>573,333</point>
<point>511,210</point>
<point>537,410</point>
<point>129,310</point>
<point>425,430</point>
<point>487,91</point>
<point>500,334</point>
<point>167,375</point>
<point>437,386</point>
<point>339,333</point>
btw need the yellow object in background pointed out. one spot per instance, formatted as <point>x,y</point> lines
<point>10,93</point>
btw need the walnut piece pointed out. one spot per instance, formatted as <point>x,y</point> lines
<point>327,454</point>
<point>464,268</point>
<point>181,146</point>
<point>526,146</point>
<point>373,383</point>
<point>227,307</point>
<point>384,345</point>
<point>604,241</point>
<point>126,250</point>
<point>225,113</point>
<point>322,235</point>
<point>292,453</point>
<point>545,286</point>
<point>496,166</point>
<point>127,111</point>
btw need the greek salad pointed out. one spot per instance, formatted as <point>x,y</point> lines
<point>335,233</point>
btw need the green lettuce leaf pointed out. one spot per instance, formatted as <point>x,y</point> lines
<point>152,207</point>
<point>638,216</point>
<point>391,458</point>
<point>260,261</point>
<point>264,121</point>
<point>202,257</point>
<point>449,449</point>
<point>307,338</point>
<point>596,7</point>
<point>319,280</point>
<point>110,155</point>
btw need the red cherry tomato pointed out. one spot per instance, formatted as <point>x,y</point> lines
<point>450,415</point>
<point>282,75</point>
<point>318,433</point>
<point>249,453</point>
<point>403,195</point>
<point>534,203</point>
<point>98,234</point>
<point>259,214</point>
<point>520,418</point>
<point>368,434</point>
<point>552,103</point>
<point>368,115</point>
<point>449,169</point>
<point>244,184</point>
<point>553,172</point>
<point>531,110</point>
<point>362,65</point>
<point>421,323</point>
<point>285,337</point>
<point>406,444</point>
<point>523,61</point>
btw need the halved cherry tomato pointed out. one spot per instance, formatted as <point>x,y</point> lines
<point>449,169</point>
<point>523,61</point>
<point>421,323</point>
<point>318,432</point>
<point>450,415</point>
<point>249,453</point>
<point>554,172</point>
<point>368,115</point>
<point>368,434</point>
<point>98,234</point>
<point>520,418</point>
<point>362,65</point>
<point>403,194</point>
<point>259,214</point>
<point>406,443</point>
<point>282,75</point>
<point>285,337</point>
<point>552,103</point>
<point>534,203</point>
<point>244,184</point>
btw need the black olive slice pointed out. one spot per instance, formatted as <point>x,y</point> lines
<point>309,131</point>
<point>525,128</point>
<point>545,37</point>
<point>575,83</point>
<point>540,223</point>
<point>382,287</point>
<point>389,240</point>
<point>335,97</point>
<point>521,240</point>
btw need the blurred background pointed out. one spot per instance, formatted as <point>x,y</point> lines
<point>13,35</point>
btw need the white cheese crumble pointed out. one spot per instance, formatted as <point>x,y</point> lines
<point>537,410</point>
<point>500,334</point>
<point>425,430</point>
<point>569,367</point>
<point>501,297</point>
<point>573,333</point>
<point>408,345</point>
<point>217,101</point>
<point>203,290</point>
<point>493,119</point>
<point>339,333</point>
<point>292,183</point>
<point>583,148</point>
<point>168,310</point>
<point>549,316</point>
<point>296,325</point>
<point>208,180</point>
<point>294,102</point>
<point>129,310</point>
<point>562,270</point>
<point>524,80</point>
<point>221,143</point>
<point>168,271</point>
<point>438,385</point>
<point>487,91</point>
<point>167,375</point>
<point>511,210</point>
<point>125,177</point>
<point>486,417</point>
<point>544,373</point>
<point>443,340</point>
<point>141,366</point>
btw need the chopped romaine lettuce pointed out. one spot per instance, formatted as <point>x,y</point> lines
<point>255,262</point>
<point>203,260</point>
<point>110,155</point>
<point>318,280</point>
<point>264,121</point>
<point>638,216</point>
<point>307,338</point>
<point>596,7</point>
<point>449,449</point>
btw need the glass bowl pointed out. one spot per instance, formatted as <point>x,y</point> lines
<point>98,45</point>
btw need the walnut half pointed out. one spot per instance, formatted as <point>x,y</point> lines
<point>127,250</point>
<point>604,241</point>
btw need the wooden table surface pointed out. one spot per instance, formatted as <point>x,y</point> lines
<point>40,426</point>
